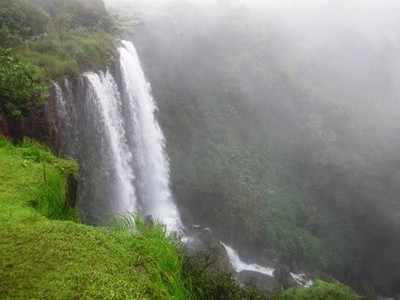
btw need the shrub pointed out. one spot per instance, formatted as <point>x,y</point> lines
<point>320,291</point>
<point>69,53</point>
<point>21,85</point>
<point>285,228</point>
<point>19,18</point>
<point>49,39</point>
<point>205,283</point>
<point>76,15</point>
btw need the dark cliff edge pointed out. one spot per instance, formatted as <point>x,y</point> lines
<point>41,124</point>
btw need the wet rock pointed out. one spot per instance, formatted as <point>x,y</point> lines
<point>4,130</point>
<point>149,220</point>
<point>283,276</point>
<point>203,247</point>
<point>258,280</point>
<point>72,191</point>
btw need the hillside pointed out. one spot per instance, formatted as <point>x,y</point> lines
<point>45,254</point>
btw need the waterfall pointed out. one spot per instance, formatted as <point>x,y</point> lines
<point>61,106</point>
<point>103,92</point>
<point>239,265</point>
<point>152,163</point>
<point>118,142</point>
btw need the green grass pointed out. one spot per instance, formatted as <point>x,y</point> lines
<point>45,258</point>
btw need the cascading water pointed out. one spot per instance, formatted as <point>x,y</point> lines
<point>124,167</point>
<point>240,265</point>
<point>149,142</point>
<point>104,93</point>
<point>62,113</point>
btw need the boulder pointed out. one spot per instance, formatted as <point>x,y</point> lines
<point>283,276</point>
<point>204,247</point>
<point>258,280</point>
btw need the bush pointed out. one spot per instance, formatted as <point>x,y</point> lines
<point>20,20</point>
<point>285,229</point>
<point>212,284</point>
<point>77,15</point>
<point>21,85</point>
<point>320,291</point>
<point>49,39</point>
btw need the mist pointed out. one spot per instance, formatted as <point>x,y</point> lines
<point>261,97</point>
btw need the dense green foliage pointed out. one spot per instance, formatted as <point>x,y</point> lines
<point>77,15</point>
<point>20,85</point>
<point>320,291</point>
<point>206,283</point>
<point>69,53</point>
<point>20,20</point>
<point>48,40</point>
<point>23,19</point>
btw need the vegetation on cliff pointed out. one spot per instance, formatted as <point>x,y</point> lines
<point>20,85</point>
<point>48,40</point>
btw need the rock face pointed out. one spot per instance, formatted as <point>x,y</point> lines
<point>283,276</point>
<point>72,190</point>
<point>202,245</point>
<point>258,280</point>
<point>4,126</point>
<point>40,125</point>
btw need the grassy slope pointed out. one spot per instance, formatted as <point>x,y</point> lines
<point>41,258</point>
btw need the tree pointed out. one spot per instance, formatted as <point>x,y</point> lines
<point>20,20</point>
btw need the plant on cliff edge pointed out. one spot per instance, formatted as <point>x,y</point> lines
<point>21,87</point>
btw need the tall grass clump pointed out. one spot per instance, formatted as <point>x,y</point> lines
<point>49,196</point>
<point>160,256</point>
